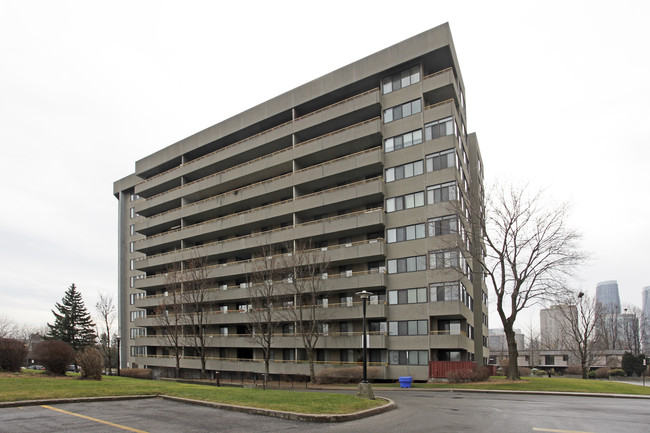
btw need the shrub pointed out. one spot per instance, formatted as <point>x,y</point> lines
<point>475,374</point>
<point>12,354</point>
<point>602,373</point>
<point>524,371</point>
<point>345,375</point>
<point>574,370</point>
<point>136,373</point>
<point>91,363</point>
<point>591,375</point>
<point>480,374</point>
<point>617,372</point>
<point>539,372</point>
<point>54,355</point>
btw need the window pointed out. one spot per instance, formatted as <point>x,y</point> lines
<point>549,360</point>
<point>449,327</point>
<point>449,355</point>
<point>443,225</point>
<point>401,111</point>
<point>324,329</point>
<point>401,141</point>
<point>446,259</point>
<point>442,160</point>
<point>138,332</point>
<point>407,201</point>
<point>408,327</point>
<point>404,171</point>
<point>410,357</point>
<point>439,128</point>
<point>138,350</point>
<point>406,233</point>
<point>377,327</point>
<point>132,212</point>
<point>135,296</point>
<point>470,331</point>
<point>442,193</point>
<point>288,354</point>
<point>132,247</point>
<point>139,314</point>
<point>402,79</point>
<point>345,328</point>
<point>444,292</point>
<point>407,296</point>
<point>408,264</point>
<point>132,229</point>
<point>346,300</point>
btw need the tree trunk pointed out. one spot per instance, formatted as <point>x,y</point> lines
<point>513,353</point>
<point>310,356</point>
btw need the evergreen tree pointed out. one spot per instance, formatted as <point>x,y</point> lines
<point>72,323</point>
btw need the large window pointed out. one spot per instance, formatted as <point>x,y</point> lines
<point>407,296</point>
<point>446,259</point>
<point>404,171</point>
<point>407,264</point>
<point>407,201</point>
<point>138,350</point>
<point>406,233</point>
<point>402,79</point>
<point>401,111</point>
<point>445,292</point>
<point>449,327</point>
<point>401,141</point>
<point>408,327</point>
<point>439,128</point>
<point>442,193</point>
<point>443,225</point>
<point>441,160</point>
<point>410,357</point>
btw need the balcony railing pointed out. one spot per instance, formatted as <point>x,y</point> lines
<point>192,249</point>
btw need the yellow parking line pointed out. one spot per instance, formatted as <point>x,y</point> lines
<point>135,430</point>
<point>558,431</point>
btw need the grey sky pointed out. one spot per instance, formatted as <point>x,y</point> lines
<point>558,93</point>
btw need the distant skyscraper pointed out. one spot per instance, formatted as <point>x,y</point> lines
<point>645,318</point>
<point>553,325</point>
<point>607,296</point>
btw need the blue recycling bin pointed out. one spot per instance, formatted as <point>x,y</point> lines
<point>405,381</point>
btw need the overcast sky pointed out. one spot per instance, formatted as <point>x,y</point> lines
<point>557,92</point>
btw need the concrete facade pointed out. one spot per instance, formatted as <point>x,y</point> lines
<point>371,165</point>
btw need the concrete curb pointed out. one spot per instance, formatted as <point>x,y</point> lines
<point>501,391</point>
<point>390,404</point>
<point>73,400</point>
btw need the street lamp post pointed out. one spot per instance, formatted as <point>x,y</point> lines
<point>365,389</point>
<point>118,354</point>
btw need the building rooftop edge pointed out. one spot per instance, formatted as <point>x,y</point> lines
<point>404,51</point>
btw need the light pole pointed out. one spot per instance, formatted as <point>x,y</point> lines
<point>365,389</point>
<point>118,354</point>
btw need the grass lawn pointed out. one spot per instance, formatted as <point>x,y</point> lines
<point>547,384</point>
<point>30,386</point>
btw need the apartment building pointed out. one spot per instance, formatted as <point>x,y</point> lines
<point>372,167</point>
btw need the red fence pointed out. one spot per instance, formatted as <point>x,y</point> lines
<point>439,369</point>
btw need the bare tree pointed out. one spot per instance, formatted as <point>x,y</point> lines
<point>107,313</point>
<point>264,294</point>
<point>169,314</point>
<point>8,327</point>
<point>530,250</point>
<point>582,314</point>
<point>196,284</point>
<point>305,268</point>
<point>609,327</point>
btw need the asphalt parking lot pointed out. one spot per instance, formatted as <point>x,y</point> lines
<point>418,411</point>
